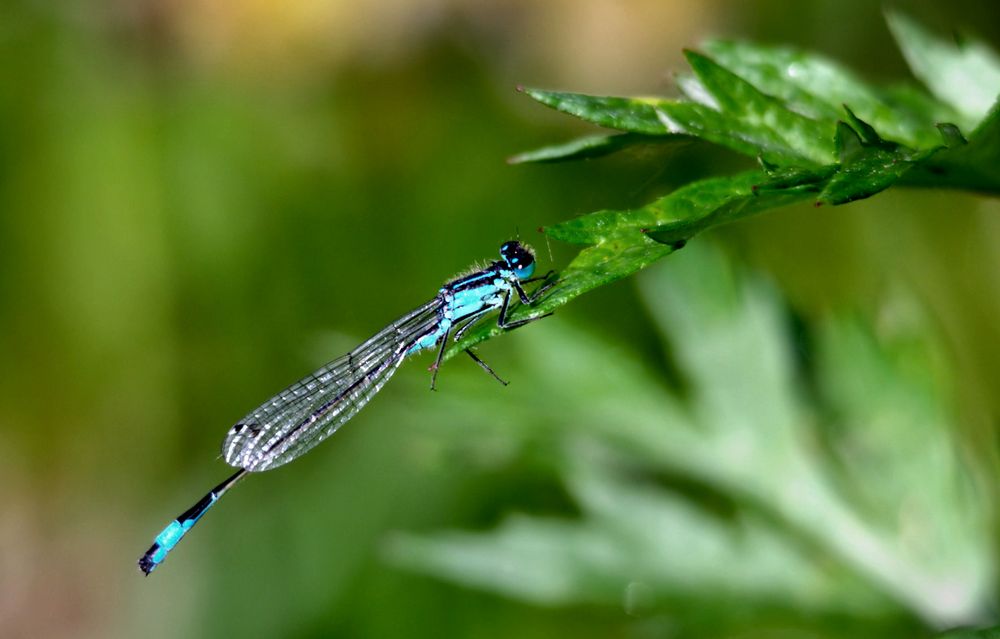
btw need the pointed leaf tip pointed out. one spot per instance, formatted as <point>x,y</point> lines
<point>867,132</point>
<point>951,135</point>
<point>848,142</point>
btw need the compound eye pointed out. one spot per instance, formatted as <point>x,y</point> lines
<point>523,264</point>
<point>519,258</point>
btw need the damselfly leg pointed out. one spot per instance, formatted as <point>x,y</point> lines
<point>485,366</point>
<point>502,321</point>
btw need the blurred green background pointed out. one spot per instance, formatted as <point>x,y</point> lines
<point>203,200</point>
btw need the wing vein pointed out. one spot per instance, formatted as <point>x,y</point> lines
<point>310,410</point>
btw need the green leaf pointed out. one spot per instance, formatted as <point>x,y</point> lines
<point>635,115</point>
<point>589,147</point>
<point>682,208</point>
<point>818,87</point>
<point>748,138</point>
<point>765,116</point>
<point>739,117</point>
<point>965,75</point>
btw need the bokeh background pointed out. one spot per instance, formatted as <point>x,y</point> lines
<point>203,200</point>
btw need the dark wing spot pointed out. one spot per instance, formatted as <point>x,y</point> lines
<point>244,429</point>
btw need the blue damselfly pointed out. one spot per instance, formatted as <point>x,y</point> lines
<point>298,418</point>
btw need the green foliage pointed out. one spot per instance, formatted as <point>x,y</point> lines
<point>818,132</point>
<point>964,75</point>
<point>990,633</point>
<point>844,496</point>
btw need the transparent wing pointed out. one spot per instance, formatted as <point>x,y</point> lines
<point>304,414</point>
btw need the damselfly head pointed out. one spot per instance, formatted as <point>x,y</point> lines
<point>519,257</point>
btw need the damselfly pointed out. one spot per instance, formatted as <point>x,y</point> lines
<point>298,418</point>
